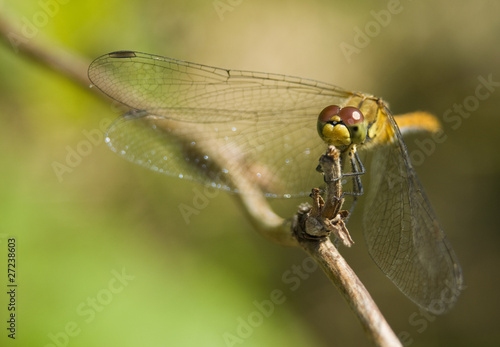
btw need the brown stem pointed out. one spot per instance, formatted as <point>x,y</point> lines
<point>352,290</point>
<point>60,60</point>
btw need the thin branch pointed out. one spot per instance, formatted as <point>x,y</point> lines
<point>65,63</point>
<point>310,228</point>
<point>352,290</point>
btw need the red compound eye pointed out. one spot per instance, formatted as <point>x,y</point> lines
<point>350,115</point>
<point>328,112</point>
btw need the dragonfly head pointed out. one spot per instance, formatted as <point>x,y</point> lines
<point>342,126</point>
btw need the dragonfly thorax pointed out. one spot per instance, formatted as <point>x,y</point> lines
<point>342,126</point>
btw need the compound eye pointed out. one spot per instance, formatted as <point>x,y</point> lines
<point>327,113</point>
<point>351,116</point>
<point>355,122</point>
<point>341,126</point>
<point>331,128</point>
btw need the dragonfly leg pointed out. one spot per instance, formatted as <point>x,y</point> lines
<point>357,186</point>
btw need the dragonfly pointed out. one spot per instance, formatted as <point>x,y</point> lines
<point>209,125</point>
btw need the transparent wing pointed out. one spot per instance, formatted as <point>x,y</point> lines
<point>403,235</point>
<point>282,165</point>
<point>157,84</point>
<point>191,114</point>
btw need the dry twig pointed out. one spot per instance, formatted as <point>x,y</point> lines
<point>312,228</point>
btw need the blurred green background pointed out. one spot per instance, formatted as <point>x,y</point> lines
<point>191,284</point>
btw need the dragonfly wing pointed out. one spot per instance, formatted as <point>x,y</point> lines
<point>402,232</point>
<point>281,160</point>
<point>267,121</point>
<point>157,84</point>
